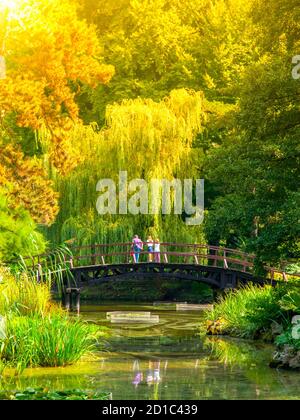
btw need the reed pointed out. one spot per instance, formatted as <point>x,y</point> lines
<point>55,269</point>
<point>35,331</point>
<point>53,340</point>
<point>23,295</point>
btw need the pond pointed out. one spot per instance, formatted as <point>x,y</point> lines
<point>168,360</point>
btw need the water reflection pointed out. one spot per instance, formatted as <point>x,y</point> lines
<point>169,361</point>
<point>151,377</point>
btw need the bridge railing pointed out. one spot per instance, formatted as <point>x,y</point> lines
<point>182,253</point>
<point>170,253</point>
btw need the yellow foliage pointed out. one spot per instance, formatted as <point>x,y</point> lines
<point>152,139</point>
<point>26,181</point>
<point>216,327</point>
<point>49,52</point>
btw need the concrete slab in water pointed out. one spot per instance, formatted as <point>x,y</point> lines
<point>191,307</point>
<point>126,317</point>
<point>154,319</point>
<point>128,314</point>
<point>168,303</point>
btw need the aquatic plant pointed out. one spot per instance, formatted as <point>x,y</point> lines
<point>46,394</point>
<point>36,331</point>
<point>53,340</point>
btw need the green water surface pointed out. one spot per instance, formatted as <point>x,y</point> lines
<point>168,361</point>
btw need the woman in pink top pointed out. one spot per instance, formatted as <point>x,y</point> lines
<point>137,246</point>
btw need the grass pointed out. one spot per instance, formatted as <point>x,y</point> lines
<point>36,332</point>
<point>54,270</point>
<point>23,296</point>
<point>54,340</point>
<point>247,313</point>
<point>287,339</point>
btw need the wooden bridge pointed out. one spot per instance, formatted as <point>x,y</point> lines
<point>221,268</point>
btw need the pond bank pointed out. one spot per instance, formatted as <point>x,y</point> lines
<point>268,313</point>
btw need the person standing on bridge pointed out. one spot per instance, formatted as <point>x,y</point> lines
<point>157,250</point>
<point>137,246</point>
<point>150,248</point>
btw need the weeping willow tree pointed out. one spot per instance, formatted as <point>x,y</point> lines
<point>149,140</point>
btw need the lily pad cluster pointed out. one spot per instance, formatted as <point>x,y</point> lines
<point>46,394</point>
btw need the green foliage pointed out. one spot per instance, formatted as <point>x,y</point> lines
<point>160,134</point>
<point>293,268</point>
<point>291,301</point>
<point>160,45</point>
<point>287,353</point>
<point>239,54</point>
<point>256,170</point>
<point>54,270</point>
<point>286,339</point>
<point>202,89</point>
<point>18,232</point>
<point>53,340</point>
<point>248,312</point>
<point>150,47</point>
<point>22,296</point>
<point>35,331</point>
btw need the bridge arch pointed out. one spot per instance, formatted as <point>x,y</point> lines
<point>215,277</point>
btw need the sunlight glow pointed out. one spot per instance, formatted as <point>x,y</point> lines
<point>9,4</point>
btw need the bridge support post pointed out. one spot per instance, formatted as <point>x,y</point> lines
<point>77,277</point>
<point>70,303</point>
<point>228,280</point>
